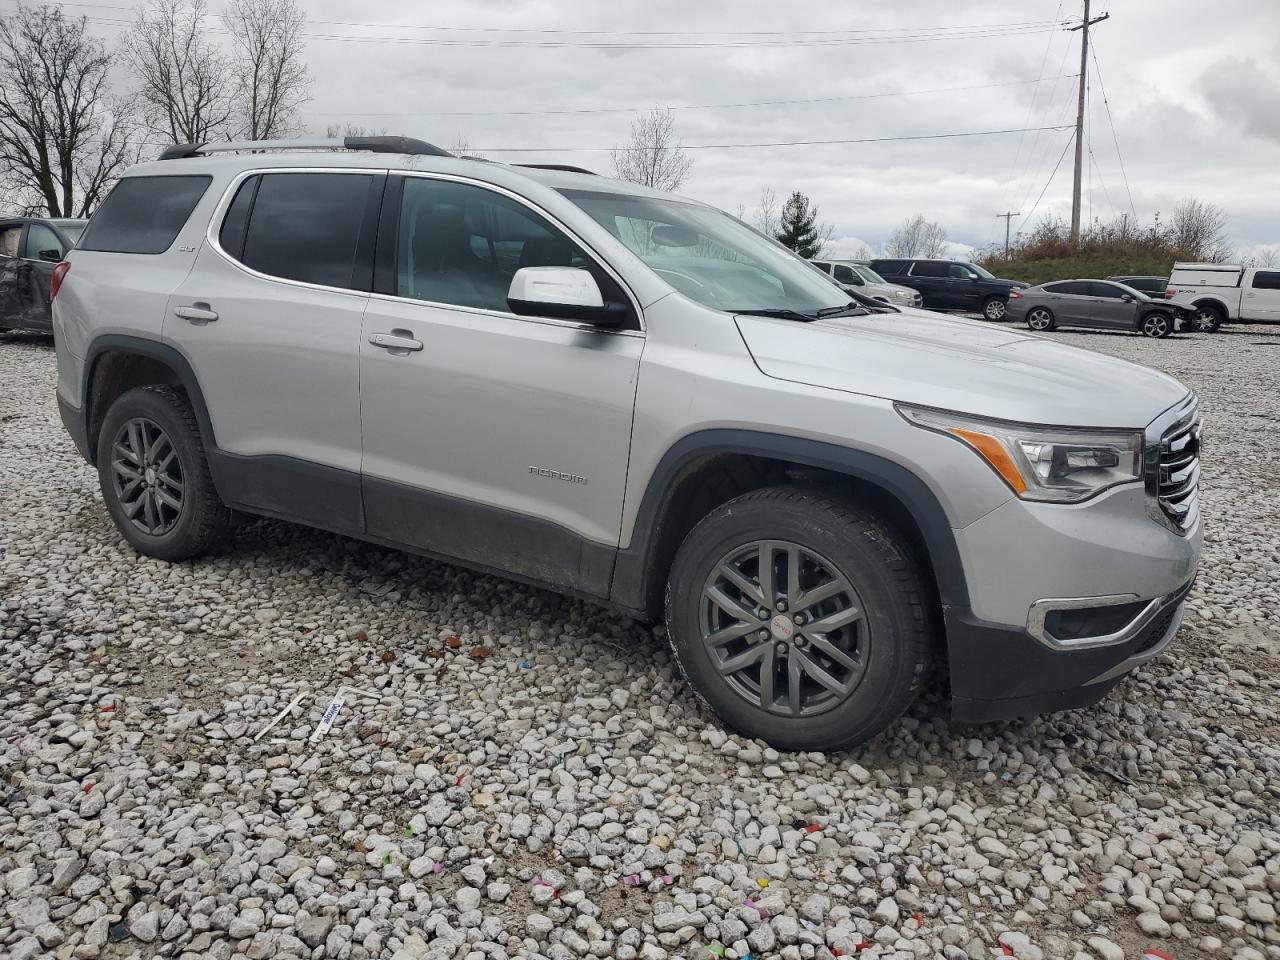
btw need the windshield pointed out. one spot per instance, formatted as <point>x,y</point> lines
<point>709,256</point>
<point>869,275</point>
<point>72,230</point>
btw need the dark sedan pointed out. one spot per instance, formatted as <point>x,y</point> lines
<point>29,247</point>
<point>1100,304</point>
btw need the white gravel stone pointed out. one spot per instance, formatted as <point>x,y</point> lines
<point>561,793</point>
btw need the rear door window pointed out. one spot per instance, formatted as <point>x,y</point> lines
<point>9,237</point>
<point>1073,288</point>
<point>930,268</point>
<point>301,226</point>
<point>43,244</point>
<point>144,214</point>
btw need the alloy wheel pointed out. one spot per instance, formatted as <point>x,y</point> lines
<point>784,628</point>
<point>995,310</point>
<point>1156,325</point>
<point>1205,321</point>
<point>1039,319</point>
<point>147,476</point>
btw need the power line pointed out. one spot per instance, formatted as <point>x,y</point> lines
<point>778,143</point>
<point>557,31</point>
<point>1035,159</point>
<point>1061,157</point>
<point>958,33</point>
<point>694,106</point>
<point>1097,69</point>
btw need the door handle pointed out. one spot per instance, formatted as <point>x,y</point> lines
<point>392,341</point>
<point>196,313</point>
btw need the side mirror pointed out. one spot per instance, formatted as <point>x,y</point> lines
<point>1126,297</point>
<point>565,293</point>
<point>50,256</point>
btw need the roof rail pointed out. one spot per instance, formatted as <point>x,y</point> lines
<point>564,167</point>
<point>374,144</point>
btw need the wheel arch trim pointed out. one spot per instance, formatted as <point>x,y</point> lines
<point>632,584</point>
<point>154,350</point>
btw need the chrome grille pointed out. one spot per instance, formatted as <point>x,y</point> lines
<point>1173,468</point>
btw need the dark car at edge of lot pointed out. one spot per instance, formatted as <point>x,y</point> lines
<point>1098,304</point>
<point>950,284</point>
<point>1155,287</point>
<point>29,248</point>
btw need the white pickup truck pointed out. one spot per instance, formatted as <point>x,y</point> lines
<point>1225,292</point>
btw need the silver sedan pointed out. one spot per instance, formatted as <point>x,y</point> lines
<point>1100,304</point>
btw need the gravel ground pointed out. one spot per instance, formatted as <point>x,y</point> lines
<point>535,781</point>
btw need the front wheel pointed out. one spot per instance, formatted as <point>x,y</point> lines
<point>1040,319</point>
<point>799,618</point>
<point>1208,320</point>
<point>154,476</point>
<point>1157,325</point>
<point>995,309</point>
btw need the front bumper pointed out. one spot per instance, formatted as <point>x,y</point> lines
<point>1121,578</point>
<point>998,673</point>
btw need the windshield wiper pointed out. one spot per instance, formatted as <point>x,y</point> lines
<point>782,313</point>
<point>848,310</point>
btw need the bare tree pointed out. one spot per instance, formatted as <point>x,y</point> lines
<point>1198,231</point>
<point>917,237</point>
<point>653,155</point>
<point>270,79</point>
<point>336,131</point>
<point>63,139</point>
<point>183,79</point>
<point>765,217</point>
<point>461,147</point>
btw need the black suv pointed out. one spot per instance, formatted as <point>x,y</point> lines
<point>951,284</point>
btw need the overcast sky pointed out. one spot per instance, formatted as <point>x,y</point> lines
<point>1195,95</point>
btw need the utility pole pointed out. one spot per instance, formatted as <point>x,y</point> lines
<point>1084,26</point>
<point>1008,217</point>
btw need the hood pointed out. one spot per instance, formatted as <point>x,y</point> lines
<point>924,358</point>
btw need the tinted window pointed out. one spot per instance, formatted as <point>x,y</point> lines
<point>930,268</point>
<point>231,236</point>
<point>1075,288</point>
<point>144,214</point>
<point>461,244</point>
<point>41,239</point>
<point>1266,280</point>
<point>887,267</point>
<point>958,271</point>
<point>824,267</point>
<point>846,275</point>
<point>305,226</point>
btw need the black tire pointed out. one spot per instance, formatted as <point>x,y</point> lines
<point>1209,319</point>
<point>892,634</point>
<point>1157,324</point>
<point>201,519</point>
<point>995,309</point>
<point>1034,320</point>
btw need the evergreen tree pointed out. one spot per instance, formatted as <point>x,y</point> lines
<point>798,226</point>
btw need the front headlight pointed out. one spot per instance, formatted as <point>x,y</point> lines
<point>1055,464</point>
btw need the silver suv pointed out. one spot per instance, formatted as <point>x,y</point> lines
<point>631,397</point>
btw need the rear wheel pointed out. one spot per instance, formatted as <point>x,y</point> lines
<point>1040,318</point>
<point>155,478</point>
<point>995,308</point>
<point>1157,325</point>
<point>1208,319</point>
<point>799,618</point>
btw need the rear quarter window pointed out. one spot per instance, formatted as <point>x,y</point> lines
<point>144,214</point>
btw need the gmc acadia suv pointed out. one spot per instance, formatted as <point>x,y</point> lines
<point>631,397</point>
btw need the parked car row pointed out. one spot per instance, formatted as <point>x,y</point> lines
<point>29,247</point>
